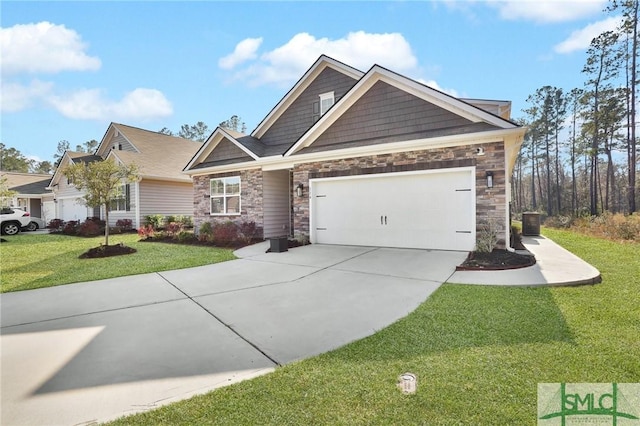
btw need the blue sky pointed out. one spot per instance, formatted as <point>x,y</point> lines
<point>71,68</point>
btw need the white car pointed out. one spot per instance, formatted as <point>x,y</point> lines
<point>36,223</point>
<point>12,220</point>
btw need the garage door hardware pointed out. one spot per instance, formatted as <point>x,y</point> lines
<point>385,220</point>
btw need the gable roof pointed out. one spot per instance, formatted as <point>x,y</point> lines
<point>157,155</point>
<point>377,73</point>
<point>307,78</point>
<point>452,121</point>
<point>71,157</point>
<point>27,183</point>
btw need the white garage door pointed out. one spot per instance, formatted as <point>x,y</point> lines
<point>427,210</point>
<point>72,209</point>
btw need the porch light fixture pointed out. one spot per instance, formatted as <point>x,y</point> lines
<point>299,189</point>
<point>489,179</point>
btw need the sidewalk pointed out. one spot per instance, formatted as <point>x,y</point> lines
<point>554,266</point>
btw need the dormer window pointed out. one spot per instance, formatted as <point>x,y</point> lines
<point>326,102</point>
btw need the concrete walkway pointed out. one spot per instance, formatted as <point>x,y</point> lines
<point>91,352</point>
<point>554,266</point>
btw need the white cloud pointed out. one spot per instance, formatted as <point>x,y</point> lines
<point>16,97</point>
<point>581,39</point>
<point>434,84</point>
<point>545,11</point>
<point>44,48</point>
<point>285,64</point>
<point>90,104</point>
<point>244,51</point>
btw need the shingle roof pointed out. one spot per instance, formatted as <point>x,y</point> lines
<point>27,183</point>
<point>160,156</point>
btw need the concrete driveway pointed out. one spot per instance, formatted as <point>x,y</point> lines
<point>91,352</point>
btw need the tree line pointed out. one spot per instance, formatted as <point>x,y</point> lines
<point>579,156</point>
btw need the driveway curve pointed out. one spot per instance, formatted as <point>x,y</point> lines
<point>92,352</point>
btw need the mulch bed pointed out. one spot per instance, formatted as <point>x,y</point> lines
<point>496,260</point>
<point>196,242</point>
<point>107,251</point>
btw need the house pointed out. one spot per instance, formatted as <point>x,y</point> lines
<point>32,194</point>
<point>364,158</point>
<point>162,189</point>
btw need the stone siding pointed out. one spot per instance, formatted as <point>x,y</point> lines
<point>251,203</point>
<point>490,202</point>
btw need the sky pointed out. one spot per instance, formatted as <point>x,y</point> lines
<point>68,69</point>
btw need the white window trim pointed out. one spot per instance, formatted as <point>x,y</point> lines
<point>123,189</point>
<point>224,196</point>
<point>324,97</point>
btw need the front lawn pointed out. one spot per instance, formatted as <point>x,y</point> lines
<point>478,352</point>
<point>36,261</point>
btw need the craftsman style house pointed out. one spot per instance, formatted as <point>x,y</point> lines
<point>364,158</point>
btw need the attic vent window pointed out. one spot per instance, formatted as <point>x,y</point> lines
<point>326,102</point>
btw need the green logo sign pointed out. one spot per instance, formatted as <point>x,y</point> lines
<point>616,404</point>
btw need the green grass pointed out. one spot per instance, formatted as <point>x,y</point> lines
<point>36,261</point>
<point>479,353</point>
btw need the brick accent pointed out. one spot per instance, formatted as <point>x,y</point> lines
<point>251,199</point>
<point>490,202</point>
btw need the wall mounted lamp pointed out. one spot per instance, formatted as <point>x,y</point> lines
<point>299,189</point>
<point>489,179</point>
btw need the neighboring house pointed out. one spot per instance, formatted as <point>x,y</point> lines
<point>162,188</point>
<point>372,159</point>
<point>32,194</point>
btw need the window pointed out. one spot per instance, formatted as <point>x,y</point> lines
<point>225,196</point>
<point>122,202</point>
<point>326,102</point>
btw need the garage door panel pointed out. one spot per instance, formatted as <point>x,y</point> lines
<point>430,210</point>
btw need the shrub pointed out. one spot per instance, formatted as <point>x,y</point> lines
<point>89,228</point>
<point>186,236</point>
<point>173,228</point>
<point>248,231</point>
<point>170,218</point>
<point>225,234</point>
<point>186,221</point>
<point>154,220</point>
<point>487,236</point>
<point>205,232</point>
<point>559,221</point>
<point>125,224</point>
<point>56,224</point>
<point>70,227</point>
<point>145,232</point>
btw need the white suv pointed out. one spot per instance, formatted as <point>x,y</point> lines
<point>12,220</point>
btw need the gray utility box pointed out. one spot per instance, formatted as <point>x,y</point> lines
<point>531,224</point>
<point>279,244</point>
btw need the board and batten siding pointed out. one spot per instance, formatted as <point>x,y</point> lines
<point>165,198</point>
<point>276,203</point>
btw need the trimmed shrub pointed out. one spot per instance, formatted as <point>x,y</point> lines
<point>248,231</point>
<point>173,228</point>
<point>170,218</point>
<point>145,232</point>
<point>225,234</point>
<point>70,227</point>
<point>154,220</point>
<point>124,224</point>
<point>89,228</point>
<point>205,233</point>
<point>55,225</point>
<point>186,221</point>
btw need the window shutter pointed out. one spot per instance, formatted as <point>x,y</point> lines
<point>316,111</point>
<point>127,199</point>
